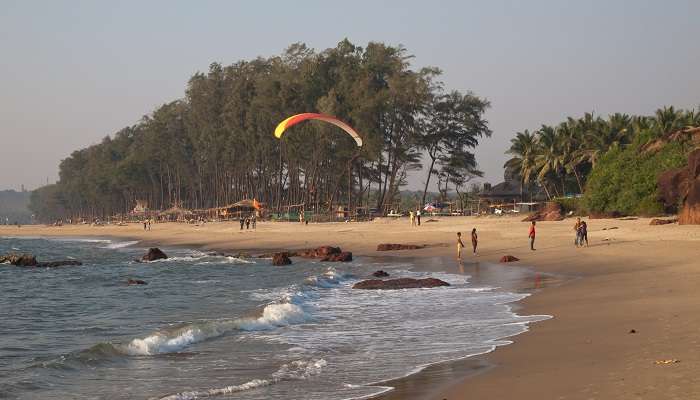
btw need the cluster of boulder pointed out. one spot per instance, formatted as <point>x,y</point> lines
<point>552,211</point>
<point>679,190</point>
<point>324,253</point>
<point>29,260</point>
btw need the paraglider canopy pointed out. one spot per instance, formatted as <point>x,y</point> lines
<point>295,119</point>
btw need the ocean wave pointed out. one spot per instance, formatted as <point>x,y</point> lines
<point>295,370</point>
<point>119,245</point>
<point>175,340</point>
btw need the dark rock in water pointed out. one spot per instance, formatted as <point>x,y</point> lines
<point>319,252</point>
<point>380,274</point>
<point>281,259</point>
<point>659,221</point>
<point>508,258</point>
<point>398,246</point>
<point>28,260</point>
<point>153,254</point>
<point>344,256</point>
<point>20,260</point>
<point>62,263</point>
<point>136,282</point>
<point>400,283</point>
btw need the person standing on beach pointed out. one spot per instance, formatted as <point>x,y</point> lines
<point>459,245</point>
<point>475,240</point>
<point>247,223</point>
<point>418,216</point>
<point>412,217</point>
<point>144,224</point>
<point>531,235</point>
<point>242,221</point>
<point>255,220</point>
<point>577,231</point>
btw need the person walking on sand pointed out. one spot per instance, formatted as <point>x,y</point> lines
<point>255,220</point>
<point>475,240</point>
<point>577,231</point>
<point>241,221</point>
<point>418,216</point>
<point>459,245</point>
<point>247,223</point>
<point>531,235</point>
<point>412,217</point>
<point>144,224</point>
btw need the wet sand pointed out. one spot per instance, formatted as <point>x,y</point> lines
<point>636,277</point>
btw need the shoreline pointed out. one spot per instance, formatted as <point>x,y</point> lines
<point>586,351</point>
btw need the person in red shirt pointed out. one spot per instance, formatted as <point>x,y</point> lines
<point>531,235</point>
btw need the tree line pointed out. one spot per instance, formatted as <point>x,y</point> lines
<point>561,158</point>
<point>215,146</point>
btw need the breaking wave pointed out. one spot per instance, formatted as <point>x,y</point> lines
<point>295,370</point>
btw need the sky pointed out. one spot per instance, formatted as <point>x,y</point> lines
<point>72,72</point>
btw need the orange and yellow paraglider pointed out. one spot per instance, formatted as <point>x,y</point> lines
<point>295,119</point>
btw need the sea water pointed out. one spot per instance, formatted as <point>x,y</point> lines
<point>210,326</point>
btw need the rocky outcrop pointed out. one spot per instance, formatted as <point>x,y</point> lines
<point>679,190</point>
<point>551,212</point>
<point>508,258</point>
<point>397,246</point>
<point>690,212</point>
<point>136,282</point>
<point>400,283</point>
<point>153,254</point>
<point>380,274</point>
<point>319,252</point>
<point>343,256</point>
<point>19,260</point>
<point>281,259</point>
<point>660,221</point>
<point>29,260</point>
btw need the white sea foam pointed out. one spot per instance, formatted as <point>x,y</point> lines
<point>119,245</point>
<point>295,370</point>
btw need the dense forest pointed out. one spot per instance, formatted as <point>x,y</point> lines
<point>216,145</point>
<point>608,160</point>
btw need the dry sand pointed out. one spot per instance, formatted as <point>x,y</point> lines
<point>636,277</point>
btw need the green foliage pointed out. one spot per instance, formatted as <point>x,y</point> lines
<point>216,146</point>
<point>560,158</point>
<point>625,180</point>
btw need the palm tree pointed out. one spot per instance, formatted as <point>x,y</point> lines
<point>522,148</point>
<point>668,119</point>
<point>550,158</point>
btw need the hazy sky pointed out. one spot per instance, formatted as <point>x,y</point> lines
<point>72,72</point>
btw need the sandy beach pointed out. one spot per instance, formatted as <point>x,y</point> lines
<point>633,278</point>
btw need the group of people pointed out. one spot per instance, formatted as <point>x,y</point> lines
<point>247,221</point>
<point>460,244</point>
<point>147,224</point>
<point>414,217</point>
<point>581,229</point>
